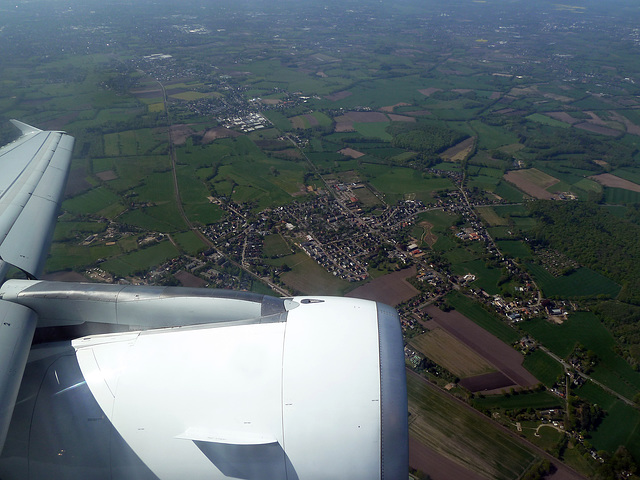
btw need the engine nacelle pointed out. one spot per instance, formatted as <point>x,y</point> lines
<point>316,392</point>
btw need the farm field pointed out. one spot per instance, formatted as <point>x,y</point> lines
<point>69,230</point>
<point>620,426</point>
<point>275,246</point>
<point>585,328</point>
<point>532,181</point>
<point>463,436</point>
<point>447,351</point>
<point>499,354</point>
<point>64,254</point>
<point>616,196</point>
<point>536,400</point>
<point>459,152</point>
<point>132,142</point>
<point>94,201</point>
<point>426,459</point>
<point>543,367</point>
<point>391,288</point>
<point>189,242</point>
<point>491,217</point>
<point>483,318</point>
<point>514,249</point>
<point>609,180</point>
<point>159,218</point>
<point>306,276</point>
<point>486,277</point>
<point>398,183</point>
<point>130,263</point>
<point>583,282</point>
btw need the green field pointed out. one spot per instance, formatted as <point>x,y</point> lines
<point>140,260</point>
<point>373,129</point>
<point>396,183</point>
<point>537,400</point>
<point>440,220</point>
<point>275,246</point>
<point>464,436</point>
<point>628,173</point>
<point>280,121</point>
<point>72,230</point>
<point>91,202</point>
<point>249,175</point>
<point>490,137</point>
<point>66,255</point>
<point>486,277</point>
<point>538,117</point>
<point>619,195</point>
<point>460,255</point>
<point>620,426</point>
<point>189,242</point>
<point>507,192</point>
<point>514,249</point>
<point>586,329</point>
<point>161,218</point>
<point>511,210</point>
<point>204,213</point>
<point>131,171</point>
<point>543,367</point>
<point>307,277</point>
<point>131,142</point>
<point>583,282</point>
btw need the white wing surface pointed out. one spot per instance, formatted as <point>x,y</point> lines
<point>34,172</point>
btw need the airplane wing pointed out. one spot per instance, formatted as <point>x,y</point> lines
<point>34,173</point>
<point>199,383</point>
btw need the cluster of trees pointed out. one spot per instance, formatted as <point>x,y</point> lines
<point>593,237</point>
<point>539,470</point>
<point>618,465</point>
<point>622,320</point>
<point>429,139</point>
<point>577,149</point>
<point>583,417</point>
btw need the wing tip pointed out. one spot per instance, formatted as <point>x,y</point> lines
<point>24,128</point>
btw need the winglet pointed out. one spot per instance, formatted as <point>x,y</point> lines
<point>24,128</point>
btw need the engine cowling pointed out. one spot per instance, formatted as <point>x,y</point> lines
<point>314,391</point>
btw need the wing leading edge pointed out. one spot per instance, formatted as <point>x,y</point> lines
<point>34,173</point>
